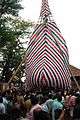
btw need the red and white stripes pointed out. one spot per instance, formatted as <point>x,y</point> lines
<point>45,10</point>
<point>47,59</point>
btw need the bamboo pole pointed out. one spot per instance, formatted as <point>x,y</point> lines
<point>17,70</point>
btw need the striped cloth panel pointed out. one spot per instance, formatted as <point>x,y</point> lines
<point>47,60</point>
<point>45,10</point>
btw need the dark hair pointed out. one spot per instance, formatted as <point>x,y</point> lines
<point>59,98</point>
<point>41,115</point>
<point>34,100</point>
<point>78,100</point>
<point>50,96</point>
<point>1,99</point>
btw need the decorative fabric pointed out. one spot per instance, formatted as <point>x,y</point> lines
<point>47,57</point>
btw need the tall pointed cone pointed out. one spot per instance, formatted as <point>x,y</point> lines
<point>47,59</point>
<point>45,10</point>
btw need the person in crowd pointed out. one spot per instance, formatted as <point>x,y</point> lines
<point>35,106</point>
<point>57,108</point>
<point>10,104</point>
<point>22,107</point>
<point>15,113</point>
<point>5,102</point>
<point>49,102</point>
<point>70,99</point>
<point>27,105</point>
<point>76,111</point>
<point>2,106</point>
<point>72,102</point>
<point>42,114</point>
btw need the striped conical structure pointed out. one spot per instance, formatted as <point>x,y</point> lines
<point>47,57</point>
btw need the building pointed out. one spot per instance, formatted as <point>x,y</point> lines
<point>75,73</point>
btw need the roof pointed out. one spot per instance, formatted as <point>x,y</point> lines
<point>75,71</point>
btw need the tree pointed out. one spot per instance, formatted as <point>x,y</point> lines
<point>10,7</point>
<point>7,8</point>
<point>12,47</point>
<point>12,32</point>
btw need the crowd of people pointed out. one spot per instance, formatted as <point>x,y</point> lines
<point>39,105</point>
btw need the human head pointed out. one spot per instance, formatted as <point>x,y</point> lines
<point>34,99</point>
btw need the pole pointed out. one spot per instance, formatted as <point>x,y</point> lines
<point>17,70</point>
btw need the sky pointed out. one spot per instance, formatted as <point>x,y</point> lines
<point>67,17</point>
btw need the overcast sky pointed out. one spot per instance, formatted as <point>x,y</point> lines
<point>66,15</point>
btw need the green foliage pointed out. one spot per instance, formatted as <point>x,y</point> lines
<point>12,28</point>
<point>13,31</point>
<point>12,34</point>
<point>10,7</point>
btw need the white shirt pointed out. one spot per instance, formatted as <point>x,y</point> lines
<point>2,108</point>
